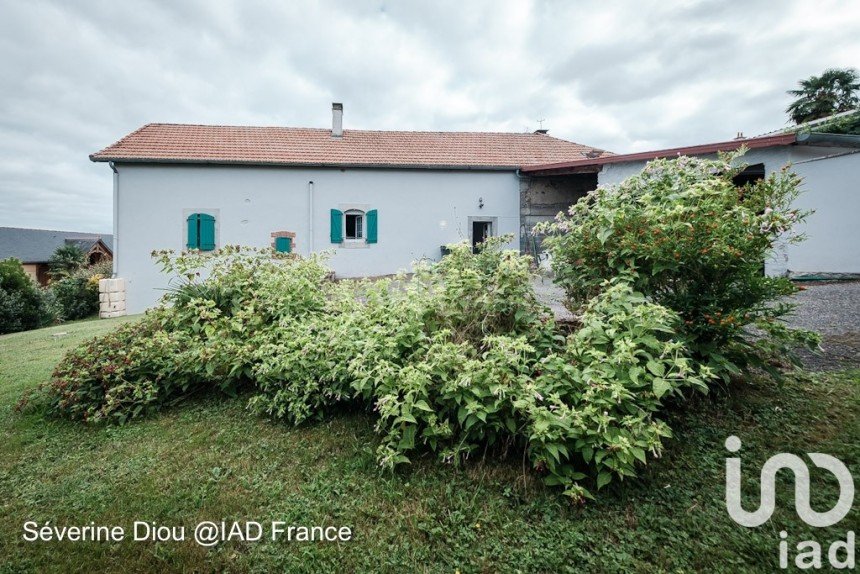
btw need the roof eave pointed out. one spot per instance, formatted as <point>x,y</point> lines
<point>752,143</point>
<point>249,163</point>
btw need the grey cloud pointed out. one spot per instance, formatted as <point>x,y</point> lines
<point>77,75</point>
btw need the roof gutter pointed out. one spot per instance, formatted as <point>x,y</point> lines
<point>829,140</point>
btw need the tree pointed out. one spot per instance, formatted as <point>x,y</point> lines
<point>23,305</point>
<point>832,92</point>
<point>66,260</point>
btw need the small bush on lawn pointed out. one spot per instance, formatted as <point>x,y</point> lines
<point>459,359</point>
<point>74,294</point>
<point>690,240</point>
<point>23,304</point>
<point>76,297</point>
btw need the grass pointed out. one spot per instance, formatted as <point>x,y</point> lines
<point>212,460</point>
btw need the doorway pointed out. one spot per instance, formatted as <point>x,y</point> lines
<point>481,230</point>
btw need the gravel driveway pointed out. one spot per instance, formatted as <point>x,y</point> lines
<point>830,308</point>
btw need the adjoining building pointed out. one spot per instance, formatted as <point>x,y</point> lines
<point>828,163</point>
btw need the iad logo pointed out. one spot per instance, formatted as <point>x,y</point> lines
<point>801,488</point>
<point>809,551</point>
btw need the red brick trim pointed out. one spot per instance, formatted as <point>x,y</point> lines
<point>290,234</point>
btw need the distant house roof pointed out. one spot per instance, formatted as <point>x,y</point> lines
<point>37,245</point>
<point>181,143</point>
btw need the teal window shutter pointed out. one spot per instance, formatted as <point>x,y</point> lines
<point>284,244</point>
<point>193,231</point>
<point>207,232</point>
<point>336,226</point>
<point>371,226</point>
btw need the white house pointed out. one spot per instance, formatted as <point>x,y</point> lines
<point>379,200</point>
<point>828,163</point>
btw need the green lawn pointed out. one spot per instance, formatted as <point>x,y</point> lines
<point>213,460</point>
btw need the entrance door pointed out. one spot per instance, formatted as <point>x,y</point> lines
<point>481,230</point>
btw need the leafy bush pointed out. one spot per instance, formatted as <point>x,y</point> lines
<point>685,236</point>
<point>597,398</point>
<point>23,305</point>
<point>77,297</point>
<point>75,294</point>
<point>459,359</point>
<point>202,340</point>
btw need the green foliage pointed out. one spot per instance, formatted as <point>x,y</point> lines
<point>66,260</point>
<point>210,458</point>
<point>204,338</point>
<point>457,360</point>
<point>682,234</point>
<point>76,294</point>
<point>597,398</point>
<point>23,305</point>
<point>77,297</point>
<point>848,124</point>
<point>832,92</point>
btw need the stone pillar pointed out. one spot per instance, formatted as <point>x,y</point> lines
<point>111,298</point>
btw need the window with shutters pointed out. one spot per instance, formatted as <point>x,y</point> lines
<point>354,227</point>
<point>200,232</point>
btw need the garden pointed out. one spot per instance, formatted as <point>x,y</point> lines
<point>447,416</point>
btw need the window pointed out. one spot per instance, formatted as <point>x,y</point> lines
<point>284,244</point>
<point>354,223</point>
<point>201,232</point>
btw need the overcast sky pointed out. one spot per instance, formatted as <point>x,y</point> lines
<point>624,76</point>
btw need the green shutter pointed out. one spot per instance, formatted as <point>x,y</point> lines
<point>207,232</point>
<point>283,244</point>
<point>193,231</point>
<point>336,226</point>
<point>371,226</point>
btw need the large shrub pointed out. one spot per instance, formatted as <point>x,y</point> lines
<point>23,304</point>
<point>685,236</point>
<point>202,340</point>
<point>459,359</point>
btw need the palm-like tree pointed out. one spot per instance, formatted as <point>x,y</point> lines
<point>832,92</point>
<point>66,260</point>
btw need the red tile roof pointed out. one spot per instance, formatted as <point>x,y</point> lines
<point>181,143</point>
<point>579,164</point>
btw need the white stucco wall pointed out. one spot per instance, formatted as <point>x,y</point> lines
<point>419,210</point>
<point>831,188</point>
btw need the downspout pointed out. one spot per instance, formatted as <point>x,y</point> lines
<point>310,217</point>
<point>115,218</point>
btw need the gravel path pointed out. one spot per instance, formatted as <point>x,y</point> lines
<point>830,308</point>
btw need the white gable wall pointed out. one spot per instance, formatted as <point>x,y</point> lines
<point>419,210</point>
<point>830,188</point>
